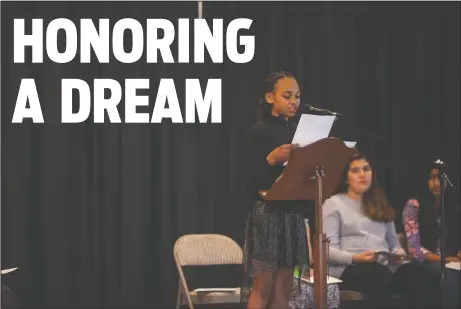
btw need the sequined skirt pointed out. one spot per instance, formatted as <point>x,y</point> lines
<point>274,239</point>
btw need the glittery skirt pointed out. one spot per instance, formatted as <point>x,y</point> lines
<point>274,239</point>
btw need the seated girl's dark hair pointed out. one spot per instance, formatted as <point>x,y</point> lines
<point>264,108</point>
<point>417,187</point>
<point>436,164</point>
<point>423,193</point>
<point>375,203</point>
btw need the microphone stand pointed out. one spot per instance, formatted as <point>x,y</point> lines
<point>444,182</point>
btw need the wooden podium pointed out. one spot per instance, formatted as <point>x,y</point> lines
<point>312,173</point>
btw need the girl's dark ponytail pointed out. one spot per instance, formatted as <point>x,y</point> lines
<point>264,108</point>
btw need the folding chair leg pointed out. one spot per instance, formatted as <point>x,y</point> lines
<point>179,296</point>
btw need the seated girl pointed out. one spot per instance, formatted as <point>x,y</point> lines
<point>359,221</point>
<point>421,220</point>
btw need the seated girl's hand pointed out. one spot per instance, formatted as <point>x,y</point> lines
<point>452,259</point>
<point>399,251</point>
<point>364,257</point>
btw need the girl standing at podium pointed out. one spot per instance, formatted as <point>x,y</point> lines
<point>275,238</point>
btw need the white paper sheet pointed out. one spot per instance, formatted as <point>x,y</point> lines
<point>350,144</point>
<point>330,280</point>
<point>6,271</point>
<point>211,290</point>
<point>454,265</point>
<point>312,128</point>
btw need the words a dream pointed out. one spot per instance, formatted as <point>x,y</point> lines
<point>149,40</point>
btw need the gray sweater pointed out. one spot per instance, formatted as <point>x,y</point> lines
<point>351,232</point>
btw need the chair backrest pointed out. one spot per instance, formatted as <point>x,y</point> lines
<point>207,249</point>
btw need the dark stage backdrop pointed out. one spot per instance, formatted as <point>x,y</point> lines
<point>90,212</point>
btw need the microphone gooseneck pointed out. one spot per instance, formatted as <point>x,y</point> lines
<point>322,111</point>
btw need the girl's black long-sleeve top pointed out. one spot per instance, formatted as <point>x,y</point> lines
<point>262,139</point>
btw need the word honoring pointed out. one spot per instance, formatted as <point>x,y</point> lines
<point>92,39</point>
<point>146,41</point>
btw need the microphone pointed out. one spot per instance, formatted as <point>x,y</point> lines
<point>444,176</point>
<point>442,172</point>
<point>322,111</point>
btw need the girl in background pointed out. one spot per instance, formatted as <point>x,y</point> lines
<point>422,224</point>
<point>359,221</point>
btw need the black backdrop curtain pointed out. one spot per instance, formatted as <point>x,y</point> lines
<point>90,212</point>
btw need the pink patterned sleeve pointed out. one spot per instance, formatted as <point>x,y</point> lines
<point>411,226</point>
